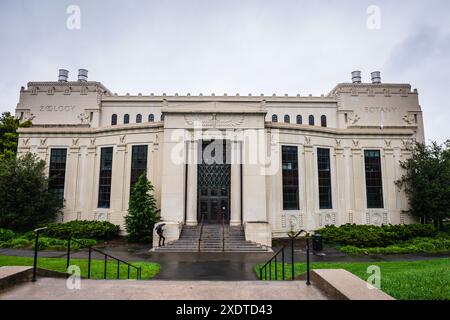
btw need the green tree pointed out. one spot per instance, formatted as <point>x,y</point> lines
<point>25,201</point>
<point>8,134</point>
<point>141,216</point>
<point>427,182</point>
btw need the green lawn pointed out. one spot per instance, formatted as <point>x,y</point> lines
<point>149,270</point>
<point>406,280</point>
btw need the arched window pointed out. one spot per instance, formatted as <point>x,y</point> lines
<point>323,120</point>
<point>162,117</point>
<point>114,119</point>
<point>287,119</point>
<point>151,117</point>
<point>138,118</point>
<point>299,119</point>
<point>311,120</point>
<point>126,118</point>
<point>274,118</point>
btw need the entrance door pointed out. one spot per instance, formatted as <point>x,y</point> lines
<point>213,182</point>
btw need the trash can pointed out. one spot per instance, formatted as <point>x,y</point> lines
<point>317,242</point>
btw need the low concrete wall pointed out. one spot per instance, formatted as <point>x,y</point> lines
<point>13,275</point>
<point>340,284</point>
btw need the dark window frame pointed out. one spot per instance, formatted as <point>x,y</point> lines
<point>139,118</point>
<point>151,117</point>
<point>114,119</point>
<point>274,118</point>
<point>105,177</point>
<point>323,121</point>
<point>311,121</point>
<point>324,178</point>
<point>374,179</point>
<point>290,180</point>
<point>139,159</point>
<point>126,118</point>
<point>299,119</point>
<point>57,172</point>
<point>287,118</point>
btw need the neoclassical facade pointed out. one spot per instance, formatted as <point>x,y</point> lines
<point>268,162</point>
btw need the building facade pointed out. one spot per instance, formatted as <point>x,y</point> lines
<point>271,163</point>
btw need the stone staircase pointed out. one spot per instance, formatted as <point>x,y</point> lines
<point>212,240</point>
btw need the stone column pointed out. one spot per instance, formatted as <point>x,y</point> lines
<point>341,181</point>
<point>72,183</point>
<point>309,220</point>
<point>235,209</point>
<point>191,214</point>
<point>358,186</point>
<point>389,188</point>
<point>117,185</point>
<point>92,175</point>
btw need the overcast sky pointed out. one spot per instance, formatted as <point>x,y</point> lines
<point>260,46</point>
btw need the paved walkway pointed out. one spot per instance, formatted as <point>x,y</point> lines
<point>56,289</point>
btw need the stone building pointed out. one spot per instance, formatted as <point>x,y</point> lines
<point>279,163</point>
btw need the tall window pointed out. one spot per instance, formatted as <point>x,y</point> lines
<point>323,120</point>
<point>57,172</point>
<point>323,165</point>
<point>299,119</point>
<point>138,118</point>
<point>151,117</point>
<point>311,120</point>
<point>114,119</point>
<point>374,181</point>
<point>287,119</point>
<point>126,118</point>
<point>290,177</point>
<point>138,163</point>
<point>104,187</point>
<point>274,118</point>
<point>162,117</point>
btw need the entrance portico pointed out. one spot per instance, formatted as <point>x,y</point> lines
<point>192,187</point>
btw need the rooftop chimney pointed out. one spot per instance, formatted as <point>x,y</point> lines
<point>376,77</point>
<point>356,76</point>
<point>63,75</point>
<point>82,75</point>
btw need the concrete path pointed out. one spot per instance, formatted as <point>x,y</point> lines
<point>56,289</point>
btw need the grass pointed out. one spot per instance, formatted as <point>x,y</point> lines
<point>149,269</point>
<point>406,280</point>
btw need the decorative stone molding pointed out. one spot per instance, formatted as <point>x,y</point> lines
<point>376,218</point>
<point>327,219</point>
<point>353,118</point>
<point>409,119</point>
<point>292,221</point>
<point>26,142</point>
<point>355,143</point>
<point>214,120</point>
<point>43,142</point>
<point>307,140</point>
<point>387,144</point>
<point>75,142</point>
<point>101,216</point>
<point>338,143</point>
<point>84,117</point>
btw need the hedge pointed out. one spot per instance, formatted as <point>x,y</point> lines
<point>82,229</point>
<point>365,236</point>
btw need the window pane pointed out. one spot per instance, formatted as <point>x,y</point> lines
<point>138,163</point>
<point>104,189</point>
<point>274,118</point>
<point>324,173</point>
<point>126,118</point>
<point>374,181</point>
<point>290,178</point>
<point>114,119</point>
<point>323,121</point>
<point>311,120</point>
<point>299,119</point>
<point>57,172</point>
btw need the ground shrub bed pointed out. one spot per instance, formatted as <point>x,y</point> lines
<point>83,229</point>
<point>417,245</point>
<point>46,243</point>
<point>366,236</point>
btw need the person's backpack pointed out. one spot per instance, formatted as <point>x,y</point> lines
<point>159,228</point>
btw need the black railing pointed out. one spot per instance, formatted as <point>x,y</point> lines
<point>275,258</point>
<point>223,232</point>
<point>106,256</point>
<point>202,221</point>
<point>90,250</point>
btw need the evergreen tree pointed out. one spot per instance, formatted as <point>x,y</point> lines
<point>141,216</point>
<point>427,182</point>
<point>8,134</point>
<point>25,200</point>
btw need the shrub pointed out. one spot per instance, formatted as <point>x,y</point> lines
<point>418,245</point>
<point>6,235</point>
<point>19,243</point>
<point>100,230</point>
<point>365,236</point>
<point>46,243</point>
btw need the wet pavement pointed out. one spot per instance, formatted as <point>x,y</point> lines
<point>218,266</point>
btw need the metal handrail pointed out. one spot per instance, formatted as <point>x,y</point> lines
<point>138,269</point>
<point>223,232</point>
<point>36,244</point>
<point>202,220</point>
<point>269,263</point>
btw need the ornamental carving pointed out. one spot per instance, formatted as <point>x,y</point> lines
<point>409,119</point>
<point>214,120</point>
<point>84,117</point>
<point>376,218</point>
<point>353,118</point>
<point>327,219</point>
